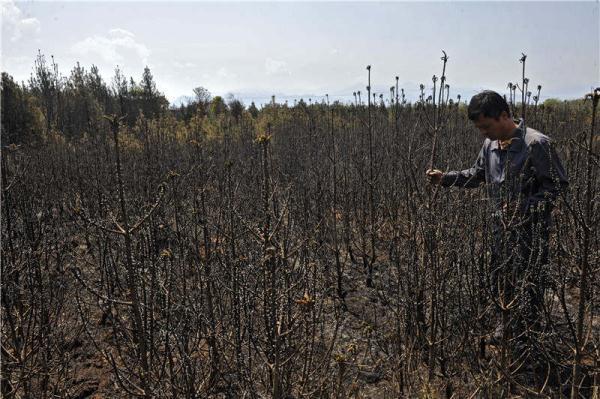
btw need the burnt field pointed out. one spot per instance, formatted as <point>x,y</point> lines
<point>218,250</point>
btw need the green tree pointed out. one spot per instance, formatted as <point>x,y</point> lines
<point>45,84</point>
<point>236,107</point>
<point>253,110</point>
<point>203,98</point>
<point>217,106</point>
<point>22,119</point>
<point>152,102</point>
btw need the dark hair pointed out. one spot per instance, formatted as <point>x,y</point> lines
<point>487,103</point>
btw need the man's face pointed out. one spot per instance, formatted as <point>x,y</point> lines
<point>491,128</point>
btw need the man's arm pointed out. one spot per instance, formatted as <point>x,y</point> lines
<point>468,178</point>
<point>550,176</point>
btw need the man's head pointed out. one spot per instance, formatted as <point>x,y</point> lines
<point>490,113</point>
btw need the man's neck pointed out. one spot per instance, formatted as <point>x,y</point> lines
<point>509,132</point>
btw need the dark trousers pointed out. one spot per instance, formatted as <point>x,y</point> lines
<point>518,271</point>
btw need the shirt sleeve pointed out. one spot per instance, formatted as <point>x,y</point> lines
<point>468,178</point>
<point>550,175</point>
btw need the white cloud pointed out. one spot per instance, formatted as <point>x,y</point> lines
<point>276,67</point>
<point>118,47</point>
<point>13,23</point>
<point>120,32</point>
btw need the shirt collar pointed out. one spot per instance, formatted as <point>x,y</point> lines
<point>517,138</point>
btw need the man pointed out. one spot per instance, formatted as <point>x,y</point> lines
<point>523,177</point>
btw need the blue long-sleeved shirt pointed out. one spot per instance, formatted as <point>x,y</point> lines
<point>528,173</point>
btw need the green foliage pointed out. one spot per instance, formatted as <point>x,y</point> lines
<point>73,107</point>
<point>552,103</point>
<point>253,110</point>
<point>217,106</point>
<point>22,119</point>
<point>236,107</point>
<point>46,84</point>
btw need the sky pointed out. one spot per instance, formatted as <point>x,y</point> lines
<point>307,49</point>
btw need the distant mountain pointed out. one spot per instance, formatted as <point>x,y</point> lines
<point>411,90</point>
<point>259,98</point>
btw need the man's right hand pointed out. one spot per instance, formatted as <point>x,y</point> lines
<point>434,176</point>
